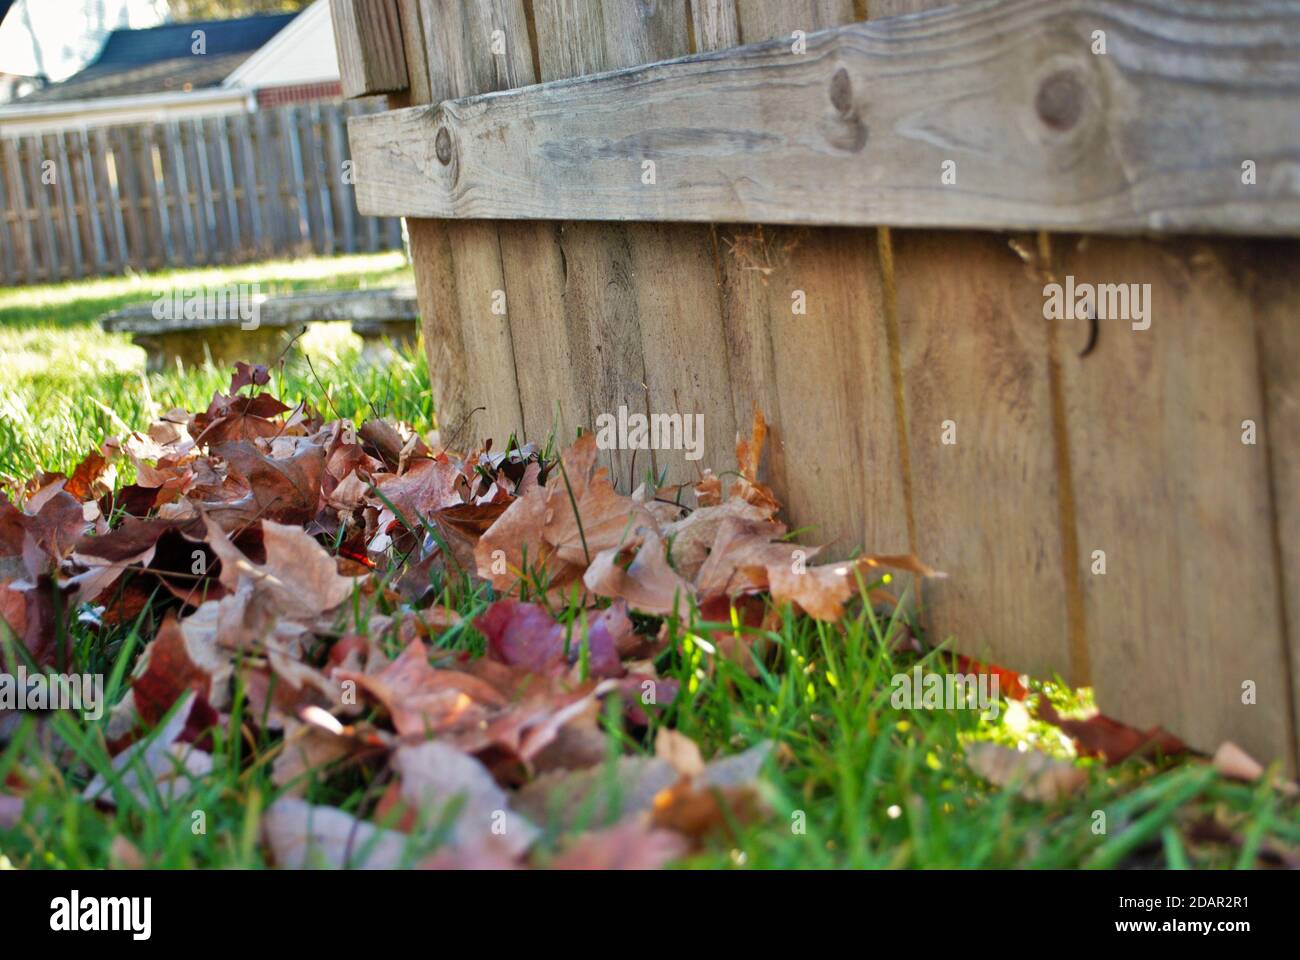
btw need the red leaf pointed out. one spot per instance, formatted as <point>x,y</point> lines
<point>1101,736</point>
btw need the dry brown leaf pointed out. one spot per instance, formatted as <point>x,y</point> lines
<point>648,584</point>
<point>691,538</point>
<point>723,793</point>
<point>741,553</point>
<point>175,661</point>
<point>1035,776</point>
<point>307,748</point>
<point>284,488</point>
<point>541,531</point>
<point>299,580</point>
<point>681,752</point>
<point>625,846</point>
<point>445,787</point>
<point>1235,763</point>
<point>422,700</point>
<point>426,488</point>
<point>170,765</point>
<point>604,796</point>
<point>303,836</point>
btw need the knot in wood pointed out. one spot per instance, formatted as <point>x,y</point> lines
<point>842,92</point>
<point>1060,100</point>
<point>442,146</point>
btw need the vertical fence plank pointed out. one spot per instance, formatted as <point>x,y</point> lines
<point>343,191</point>
<point>272,183</point>
<point>1275,290</point>
<point>94,215</point>
<point>8,222</point>
<point>29,170</point>
<point>22,242</point>
<point>1187,609</point>
<point>304,166</point>
<point>459,266</point>
<point>44,193</point>
<point>77,195</point>
<point>179,191</point>
<point>979,426</point>
<point>37,195</point>
<point>293,146</point>
<point>310,179</point>
<point>68,199</point>
<point>601,323</point>
<point>156,181</point>
<point>200,183</point>
<point>323,177</point>
<point>211,128</point>
<point>234,238</point>
<point>127,160</point>
<point>243,133</point>
<point>58,218</point>
<point>113,162</point>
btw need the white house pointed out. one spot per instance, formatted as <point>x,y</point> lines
<point>298,63</point>
<point>194,69</point>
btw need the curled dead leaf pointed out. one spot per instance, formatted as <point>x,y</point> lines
<point>1035,776</point>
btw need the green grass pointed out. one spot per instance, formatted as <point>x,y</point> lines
<point>871,785</point>
<point>62,374</point>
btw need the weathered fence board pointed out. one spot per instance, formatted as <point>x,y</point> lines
<point>188,192</point>
<point>462,264</point>
<point>1039,131</point>
<point>1069,437</point>
<point>1275,291</point>
<point>1181,507</point>
<point>369,46</point>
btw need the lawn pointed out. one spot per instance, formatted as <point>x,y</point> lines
<point>62,374</point>
<point>851,780</point>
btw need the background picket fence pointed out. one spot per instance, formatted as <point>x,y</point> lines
<point>208,190</point>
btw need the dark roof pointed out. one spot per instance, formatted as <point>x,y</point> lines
<point>159,59</point>
<point>130,48</point>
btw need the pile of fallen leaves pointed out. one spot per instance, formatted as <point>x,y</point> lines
<point>308,568</point>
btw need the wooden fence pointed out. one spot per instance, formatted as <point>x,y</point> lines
<point>1114,502</point>
<point>211,190</point>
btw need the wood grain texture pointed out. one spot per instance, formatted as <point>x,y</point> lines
<point>458,265</point>
<point>1275,292</point>
<point>550,395</point>
<point>368,41</point>
<point>749,300</point>
<point>684,342</point>
<point>898,8</point>
<point>979,425</point>
<point>475,46</point>
<point>1044,133</point>
<point>714,25</point>
<point>834,453</point>
<point>414,49</point>
<point>620,332</point>
<point>832,376</point>
<point>1187,610</point>
<point>761,20</point>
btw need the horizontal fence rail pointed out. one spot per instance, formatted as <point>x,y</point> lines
<point>200,191</point>
<point>1080,115</point>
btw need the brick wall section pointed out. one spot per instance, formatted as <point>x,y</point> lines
<point>298,93</point>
